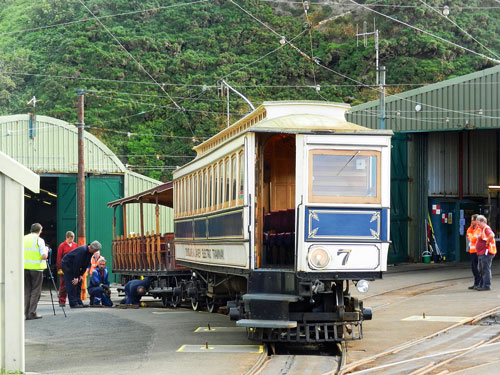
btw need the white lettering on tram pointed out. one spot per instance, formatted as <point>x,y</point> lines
<point>205,253</point>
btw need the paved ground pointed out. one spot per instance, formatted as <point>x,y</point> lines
<point>133,341</point>
<point>438,290</point>
<point>147,340</point>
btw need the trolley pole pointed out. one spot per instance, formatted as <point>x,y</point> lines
<point>381,80</point>
<point>80,186</point>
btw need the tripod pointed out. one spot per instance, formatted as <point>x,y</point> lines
<point>51,277</point>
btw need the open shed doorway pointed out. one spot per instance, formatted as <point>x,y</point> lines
<point>42,208</point>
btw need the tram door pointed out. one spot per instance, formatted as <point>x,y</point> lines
<point>275,205</point>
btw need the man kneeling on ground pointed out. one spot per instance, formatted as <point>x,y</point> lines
<point>134,290</point>
<point>99,285</point>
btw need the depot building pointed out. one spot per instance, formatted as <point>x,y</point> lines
<point>445,162</point>
<point>49,147</point>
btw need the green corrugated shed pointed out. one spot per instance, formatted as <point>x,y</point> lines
<point>48,147</point>
<point>471,101</point>
<point>468,102</point>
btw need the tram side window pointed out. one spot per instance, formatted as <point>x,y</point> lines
<point>227,190</point>
<point>221,184</point>
<point>350,176</point>
<point>233,179</point>
<point>210,188</point>
<point>205,192</point>
<point>241,177</point>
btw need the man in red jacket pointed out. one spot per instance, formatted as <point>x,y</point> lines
<point>64,248</point>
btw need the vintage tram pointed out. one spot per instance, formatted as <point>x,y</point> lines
<point>274,218</point>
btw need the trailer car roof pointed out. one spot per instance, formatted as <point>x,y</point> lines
<point>164,193</point>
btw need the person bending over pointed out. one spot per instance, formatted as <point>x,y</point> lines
<point>134,290</point>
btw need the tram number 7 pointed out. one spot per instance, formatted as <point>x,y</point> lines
<point>346,253</point>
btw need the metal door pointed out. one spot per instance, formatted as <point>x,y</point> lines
<point>398,250</point>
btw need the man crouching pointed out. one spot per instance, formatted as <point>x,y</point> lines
<point>99,285</point>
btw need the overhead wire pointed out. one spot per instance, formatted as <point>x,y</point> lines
<point>130,55</point>
<point>460,28</point>
<point>333,3</point>
<point>426,32</point>
<point>101,17</point>
<point>358,82</point>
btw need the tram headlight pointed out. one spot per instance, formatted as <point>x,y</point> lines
<point>319,258</point>
<point>362,286</point>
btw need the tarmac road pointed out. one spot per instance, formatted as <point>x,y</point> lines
<point>133,341</point>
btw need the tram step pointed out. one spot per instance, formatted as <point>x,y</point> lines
<point>258,323</point>
<point>270,297</point>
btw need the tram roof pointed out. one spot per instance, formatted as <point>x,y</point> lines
<point>164,193</point>
<point>296,117</point>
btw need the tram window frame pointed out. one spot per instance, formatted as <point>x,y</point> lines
<point>204,193</point>
<point>234,179</point>
<point>195,193</point>
<point>210,183</point>
<point>356,199</point>
<point>227,182</point>
<point>184,196</point>
<point>199,191</point>
<point>241,177</point>
<point>221,185</point>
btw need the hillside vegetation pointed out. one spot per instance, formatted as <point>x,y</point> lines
<point>152,104</point>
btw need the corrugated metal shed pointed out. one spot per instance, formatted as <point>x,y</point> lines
<point>136,183</point>
<point>51,147</point>
<point>467,102</point>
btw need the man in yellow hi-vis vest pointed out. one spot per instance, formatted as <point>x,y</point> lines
<point>35,255</point>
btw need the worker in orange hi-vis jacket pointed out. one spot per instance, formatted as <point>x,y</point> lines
<point>93,265</point>
<point>473,232</point>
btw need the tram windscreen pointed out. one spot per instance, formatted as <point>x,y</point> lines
<point>337,174</point>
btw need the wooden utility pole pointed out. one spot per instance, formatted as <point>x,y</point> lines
<point>80,186</point>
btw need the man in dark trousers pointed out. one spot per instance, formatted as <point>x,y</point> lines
<point>135,289</point>
<point>99,285</point>
<point>74,265</point>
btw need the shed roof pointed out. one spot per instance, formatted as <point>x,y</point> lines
<point>466,102</point>
<point>19,173</point>
<point>51,146</point>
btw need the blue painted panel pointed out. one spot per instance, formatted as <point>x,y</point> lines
<point>183,229</point>
<point>200,228</point>
<point>323,224</point>
<point>227,225</point>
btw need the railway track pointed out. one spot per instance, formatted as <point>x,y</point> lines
<point>297,363</point>
<point>425,355</point>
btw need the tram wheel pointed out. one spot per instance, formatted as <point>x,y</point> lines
<point>164,300</point>
<point>176,301</point>
<point>211,305</point>
<point>195,304</point>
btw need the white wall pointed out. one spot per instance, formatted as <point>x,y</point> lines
<point>12,354</point>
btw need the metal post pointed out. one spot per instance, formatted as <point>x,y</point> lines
<point>381,119</point>
<point>80,186</point>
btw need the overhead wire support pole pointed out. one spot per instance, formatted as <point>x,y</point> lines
<point>80,187</point>
<point>381,79</point>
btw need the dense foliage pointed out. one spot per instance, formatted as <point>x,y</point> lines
<point>152,105</point>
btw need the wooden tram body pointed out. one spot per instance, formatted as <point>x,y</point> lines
<point>277,213</point>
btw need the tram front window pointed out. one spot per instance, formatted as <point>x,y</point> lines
<point>344,176</point>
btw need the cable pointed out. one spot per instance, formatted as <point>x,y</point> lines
<point>131,56</point>
<point>156,105</point>
<point>380,5</point>
<point>102,17</point>
<point>260,58</point>
<point>462,30</point>
<point>426,32</point>
<point>358,82</point>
